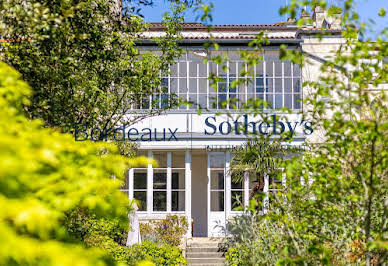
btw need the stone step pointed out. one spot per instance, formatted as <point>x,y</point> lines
<point>202,249</point>
<point>204,244</point>
<point>204,255</point>
<point>205,260</point>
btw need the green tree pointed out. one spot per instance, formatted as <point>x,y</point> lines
<point>334,208</point>
<point>44,175</point>
<point>81,59</point>
<point>257,158</point>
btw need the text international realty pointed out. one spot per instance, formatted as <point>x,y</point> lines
<point>212,127</point>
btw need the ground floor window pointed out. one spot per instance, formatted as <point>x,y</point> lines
<point>161,189</point>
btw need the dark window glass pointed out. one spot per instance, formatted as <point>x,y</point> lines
<point>141,197</point>
<point>160,180</point>
<point>238,185</point>
<point>140,180</point>
<point>160,201</point>
<point>237,199</point>
<point>217,201</point>
<point>178,201</point>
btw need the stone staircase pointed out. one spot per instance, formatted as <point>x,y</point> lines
<point>201,251</point>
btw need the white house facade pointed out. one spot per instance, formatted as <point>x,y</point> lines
<point>194,149</point>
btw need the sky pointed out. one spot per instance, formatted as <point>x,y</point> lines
<point>260,11</point>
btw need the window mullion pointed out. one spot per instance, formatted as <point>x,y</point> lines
<point>227,85</point>
<point>283,96</point>
<point>292,87</point>
<point>150,184</point>
<point>130,183</point>
<point>169,175</point>
<point>187,83</point>
<point>265,79</point>
<point>207,85</point>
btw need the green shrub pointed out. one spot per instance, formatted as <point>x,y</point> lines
<point>168,231</point>
<point>158,254</point>
<point>106,234</point>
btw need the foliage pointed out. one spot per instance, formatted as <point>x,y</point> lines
<point>257,157</point>
<point>169,231</point>
<point>158,254</point>
<point>81,59</point>
<point>334,207</point>
<point>108,235</point>
<point>44,175</point>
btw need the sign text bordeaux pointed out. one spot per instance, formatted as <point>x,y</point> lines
<point>212,127</point>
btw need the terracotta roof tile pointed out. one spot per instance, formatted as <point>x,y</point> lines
<point>225,27</point>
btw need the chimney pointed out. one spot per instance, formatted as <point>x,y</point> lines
<point>305,16</point>
<point>335,19</point>
<point>319,17</point>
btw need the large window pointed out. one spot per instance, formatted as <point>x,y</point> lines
<point>277,82</point>
<point>166,191</point>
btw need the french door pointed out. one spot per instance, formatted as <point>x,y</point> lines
<point>216,194</point>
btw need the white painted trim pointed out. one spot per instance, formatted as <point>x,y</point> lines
<point>265,190</point>
<point>246,189</point>
<point>150,183</point>
<point>227,187</point>
<point>130,183</point>
<point>169,171</point>
<point>188,190</point>
<point>208,195</point>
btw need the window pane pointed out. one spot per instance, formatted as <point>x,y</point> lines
<point>178,201</point>
<point>259,69</point>
<point>238,185</point>
<point>278,101</point>
<point>288,85</point>
<point>287,69</point>
<point>160,180</point>
<point>182,86</point>
<point>178,159</point>
<point>182,69</point>
<point>269,100</point>
<point>202,85</point>
<point>161,158</point>
<point>174,85</point>
<point>141,197</point>
<point>217,159</point>
<point>296,85</point>
<point>297,103</point>
<point>278,69</point>
<point>178,179</point>
<point>174,70</point>
<point>203,101</point>
<point>270,84</point>
<point>160,201</point>
<point>217,180</point>
<point>217,201</point>
<point>288,100</point>
<point>296,71</point>
<point>269,69</point>
<point>193,69</point>
<point>237,199</point>
<point>193,85</point>
<point>140,180</point>
<point>278,85</point>
<point>202,70</point>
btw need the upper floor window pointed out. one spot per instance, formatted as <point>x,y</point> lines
<point>274,81</point>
